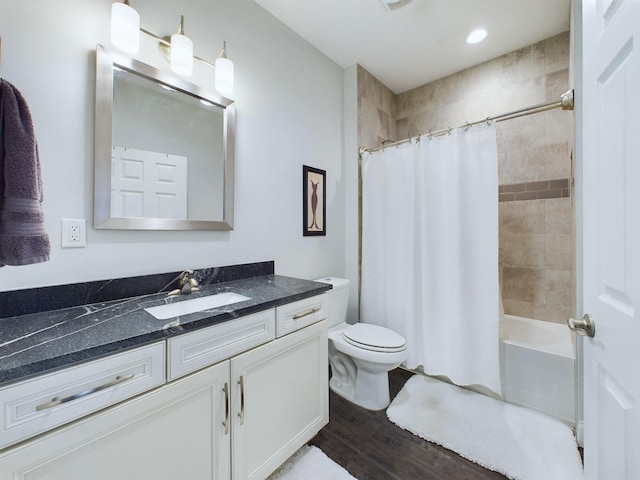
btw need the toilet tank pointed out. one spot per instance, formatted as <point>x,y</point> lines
<point>338,299</point>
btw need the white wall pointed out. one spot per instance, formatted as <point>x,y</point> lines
<point>289,113</point>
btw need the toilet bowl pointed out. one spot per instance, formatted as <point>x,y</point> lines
<point>360,355</point>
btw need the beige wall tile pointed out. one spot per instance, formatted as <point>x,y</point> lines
<point>559,126</point>
<point>514,96</point>
<point>376,92</point>
<point>376,110</point>
<point>402,128</point>
<point>523,250</point>
<point>525,165</point>
<point>447,90</point>
<point>556,52</point>
<point>559,250</point>
<point>546,162</point>
<point>525,309</point>
<point>556,83</point>
<point>525,217</point>
<point>420,98</point>
<point>423,122</point>
<point>524,284</point>
<point>521,133</point>
<point>558,287</point>
<point>484,80</point>
<point>523,64</point>
<point>558,161</point>
<point>558,216</point>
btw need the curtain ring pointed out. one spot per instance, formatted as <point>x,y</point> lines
<point>467,126</point>
<point>449,131</point>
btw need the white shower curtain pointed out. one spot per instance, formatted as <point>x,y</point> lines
<point>430,252</point>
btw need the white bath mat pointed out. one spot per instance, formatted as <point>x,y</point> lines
<point>519,443</point>
<point>310,463</point>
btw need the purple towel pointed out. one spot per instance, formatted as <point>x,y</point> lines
<point>23,239</point>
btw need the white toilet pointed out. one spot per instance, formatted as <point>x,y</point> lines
<point>360,355</point>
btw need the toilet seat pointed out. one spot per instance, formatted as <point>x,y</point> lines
<point>374,338</point>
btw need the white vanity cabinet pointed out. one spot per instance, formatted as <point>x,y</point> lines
<point>164,434</point>
<point>221,415</point>
<point>280,400</point>
<point>40,404</point>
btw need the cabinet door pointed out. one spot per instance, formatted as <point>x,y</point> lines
<point>163,434</point>
<point>280,401</point>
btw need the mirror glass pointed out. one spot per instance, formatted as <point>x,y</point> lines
<point>164,150</point>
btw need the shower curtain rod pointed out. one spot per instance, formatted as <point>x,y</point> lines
<point>565,102</point>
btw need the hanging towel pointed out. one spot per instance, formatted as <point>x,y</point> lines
<point>23,239</point>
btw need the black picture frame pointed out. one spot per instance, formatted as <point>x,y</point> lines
<point>314,201</point>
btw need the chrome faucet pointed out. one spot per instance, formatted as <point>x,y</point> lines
<point>186,284</point>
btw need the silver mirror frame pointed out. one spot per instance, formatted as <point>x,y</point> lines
<point>102,219</point>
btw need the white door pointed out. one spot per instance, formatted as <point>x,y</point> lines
<point>611,236</point>
<point>148,184</point>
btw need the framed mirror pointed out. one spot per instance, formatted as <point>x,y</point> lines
<point>164,150</point>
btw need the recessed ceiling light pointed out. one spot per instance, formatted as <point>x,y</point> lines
<point>477,35</point>
<point>393,4</point>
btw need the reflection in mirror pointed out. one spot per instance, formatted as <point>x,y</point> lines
<point>164,150</point>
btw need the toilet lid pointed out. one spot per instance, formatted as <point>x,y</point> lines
<point>374,337</point>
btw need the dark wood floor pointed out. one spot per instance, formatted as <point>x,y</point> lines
<point>369,446</point>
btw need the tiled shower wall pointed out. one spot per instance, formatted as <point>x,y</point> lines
<point>376,111</point>
<point>534,157</point>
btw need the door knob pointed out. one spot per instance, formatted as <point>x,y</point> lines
<point>585,326</point>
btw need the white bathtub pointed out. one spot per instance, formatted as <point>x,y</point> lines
<point>537,367</point>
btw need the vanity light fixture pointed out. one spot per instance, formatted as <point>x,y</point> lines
<point>125,28</point>
<point>224,72</point>
<point>478,35</point>
<point>181,51</point>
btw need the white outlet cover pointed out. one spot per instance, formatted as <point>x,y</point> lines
<point>74,233</point>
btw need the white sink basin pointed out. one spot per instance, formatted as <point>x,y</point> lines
<point>200,304</point>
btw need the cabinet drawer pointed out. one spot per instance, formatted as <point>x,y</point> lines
<point>300,314</point>
<point>195,350</point>
<point>35,406</point>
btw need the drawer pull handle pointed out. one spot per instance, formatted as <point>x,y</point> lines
<point>55,401</point>
<point>307,313</point>
<point>227,408</point>
<point>241,413</point>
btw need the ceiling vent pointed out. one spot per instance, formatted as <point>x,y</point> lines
<point>393,4</point>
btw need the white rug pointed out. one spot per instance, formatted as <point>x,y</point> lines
<point>310,463</point>
<point>519,443</point>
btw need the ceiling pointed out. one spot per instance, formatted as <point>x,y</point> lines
<point>422,41</point>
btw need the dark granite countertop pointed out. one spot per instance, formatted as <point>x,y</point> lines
<point>42,342</point>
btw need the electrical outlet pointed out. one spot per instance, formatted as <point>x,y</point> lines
<point>74,233</point>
